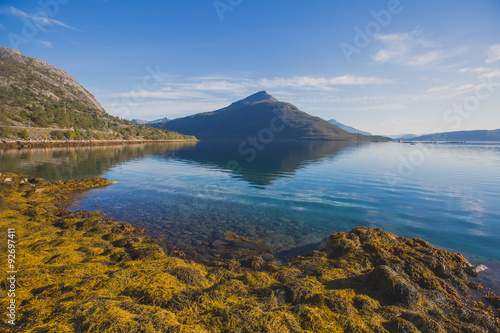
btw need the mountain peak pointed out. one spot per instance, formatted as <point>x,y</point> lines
<point>261,96</point>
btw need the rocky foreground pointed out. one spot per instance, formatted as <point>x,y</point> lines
<point>83,272</point>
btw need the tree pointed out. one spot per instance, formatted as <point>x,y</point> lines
<point>25,135</point>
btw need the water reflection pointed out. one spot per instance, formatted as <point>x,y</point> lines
<point>78,162</point>
<point>276,160</point>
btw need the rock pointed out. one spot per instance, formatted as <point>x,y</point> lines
<point>493,300</point>
<point>401,325</point>
<point>7,180</point>
<point>257,263</point>
<point>392,287</point>
<point>218,243</point>
<point>268,257</point>
<point>479,268</point>
<point>39,190</point>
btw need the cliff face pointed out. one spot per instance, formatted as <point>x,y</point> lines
<point>84,272</point>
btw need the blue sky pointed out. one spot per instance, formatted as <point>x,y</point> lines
<point>387,67</point>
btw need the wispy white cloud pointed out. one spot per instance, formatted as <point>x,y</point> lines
<point>493,54</point>
<point>491,75</point>
<point>193,88</point>
<point>372,107</point>
<point>321,82</point>
<point>475,70</point>
<point>408,49</point>
<point>197,94</point>
<point>440,88</point>
<point>2,27</point>
<point>46,43</point>
<point>40,19</point>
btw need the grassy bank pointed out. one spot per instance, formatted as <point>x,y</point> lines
<point>83,272</point>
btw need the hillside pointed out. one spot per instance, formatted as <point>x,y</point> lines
<point>348,128</point>
<point>479,135</point>
<point>40,101</point>
<point>262,116</point>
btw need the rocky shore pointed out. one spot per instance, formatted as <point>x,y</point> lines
<point>83,272</point>
<point>7,143</point>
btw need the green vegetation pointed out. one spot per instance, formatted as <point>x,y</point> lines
<point>5,132</point>
<point>264,117</point>
<point>83,272</point>
<point>24,135</point>
<point>39,95</point>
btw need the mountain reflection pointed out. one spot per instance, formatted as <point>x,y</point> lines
<point>276,160</point>
<point>78,162</point>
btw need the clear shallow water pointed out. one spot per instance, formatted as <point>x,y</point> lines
<point>293,194</point>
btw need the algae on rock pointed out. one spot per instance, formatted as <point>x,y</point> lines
<point>83,272</point>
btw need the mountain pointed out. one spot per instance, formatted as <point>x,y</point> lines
<point>478,135</point>
<point>40,101</point>
<point>402,136</point>
<point>347,128</point>
<point>260,118</point>
<point>161,120</point>
<point>140,121</point>
<point>146,122</point>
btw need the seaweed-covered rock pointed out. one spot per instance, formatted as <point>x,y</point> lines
<point>391,287</point>
<point>82,272</point>
<point>3,203</point>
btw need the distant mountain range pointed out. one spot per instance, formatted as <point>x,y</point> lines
<point>263,117</point>
<point>40,101</point>
<point>139,121</point>
<point>478,135</point>
<point>348,128</point>
<point>145,122</point>
<point>403,136</point>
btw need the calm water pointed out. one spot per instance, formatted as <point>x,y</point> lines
<point>291,195</point>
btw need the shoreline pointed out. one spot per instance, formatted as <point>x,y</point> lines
<point>83,271</point>
<point>6,144</point>
<point>10,144</point>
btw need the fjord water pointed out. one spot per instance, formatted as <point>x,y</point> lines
<point>291,194</point>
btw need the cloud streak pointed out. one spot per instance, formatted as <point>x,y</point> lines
<point>40,19</point>
<point>493,54</point>
<point>201,93</point>
<point>46,44</point>
<point>409,49</point>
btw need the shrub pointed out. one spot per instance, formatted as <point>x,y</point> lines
<point>24,135</point>
<point>57,135</point>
